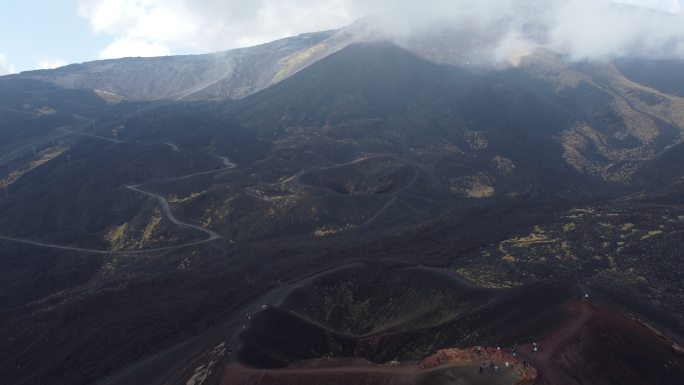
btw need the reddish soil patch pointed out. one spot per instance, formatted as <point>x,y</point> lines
<point>474,356</point>
<point>599,346</point>
<point>443,367</point>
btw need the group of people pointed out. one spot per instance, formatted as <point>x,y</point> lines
<point>479,350</point>
<point>492,368</point>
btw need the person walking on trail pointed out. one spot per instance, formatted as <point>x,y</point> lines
<point>535,348</point>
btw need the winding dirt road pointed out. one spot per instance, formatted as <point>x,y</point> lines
<point>166,208</point>
<point>95,251</point>
<point>393,197</point>
<point>63,129</point>
<point>169,214</point>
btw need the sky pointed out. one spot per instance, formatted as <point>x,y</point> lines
<point>38,34</point>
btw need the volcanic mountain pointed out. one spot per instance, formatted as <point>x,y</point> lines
<point>357,210</point>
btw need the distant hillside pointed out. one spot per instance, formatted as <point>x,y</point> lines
<point>229,74</point>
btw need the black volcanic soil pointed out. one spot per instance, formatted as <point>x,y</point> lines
<point>277,337</point>
<point>371,176</point>
<point>369,299</point>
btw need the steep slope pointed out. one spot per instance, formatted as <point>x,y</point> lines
<point>221,75</point>
<point>387,99</point>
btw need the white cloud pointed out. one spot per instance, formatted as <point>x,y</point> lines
<point>132,47</point>
<point>606,31</point>
<point>208,25</point>
<point>44,63</point>
<point>503,31</point>
<point>6,67</point>
<point>663,5</point>
<point>582,29</point>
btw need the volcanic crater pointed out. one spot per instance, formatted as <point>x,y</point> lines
<point>376,324</point>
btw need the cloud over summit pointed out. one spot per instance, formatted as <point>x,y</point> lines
<point>580,29</point>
